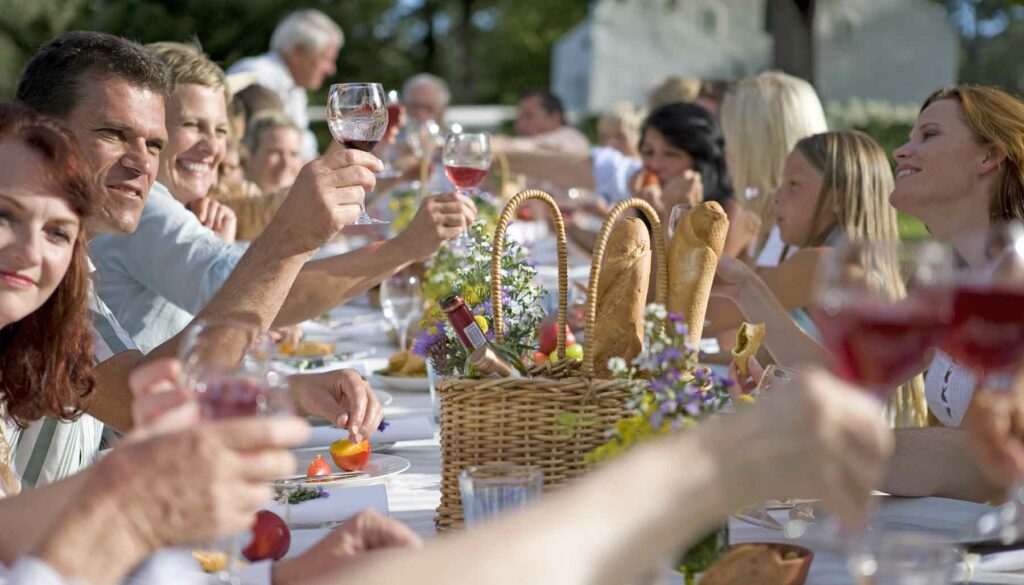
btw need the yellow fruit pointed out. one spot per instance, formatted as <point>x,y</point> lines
<point>211,561</point>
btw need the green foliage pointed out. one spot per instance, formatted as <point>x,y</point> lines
<point>487,49</point>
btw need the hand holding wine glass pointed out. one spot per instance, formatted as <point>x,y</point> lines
<point>358,117</point>
<point>467,159</point>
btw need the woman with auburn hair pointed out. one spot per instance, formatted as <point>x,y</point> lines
<point>835,185</point>
<point>45,341</point>
<point>763,117</point>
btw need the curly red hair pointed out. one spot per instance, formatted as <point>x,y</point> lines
<point>46,358</point>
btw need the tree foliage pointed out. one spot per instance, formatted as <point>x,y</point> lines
<point>487,49</point>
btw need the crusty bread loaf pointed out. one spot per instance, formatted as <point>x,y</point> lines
<point>692,259</point>
<point>621,295</point>
<point>746,565</point>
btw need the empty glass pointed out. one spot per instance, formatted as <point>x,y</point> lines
<point>489,490</point>
<point>400,301</point>
<point>900,557</point>
<point>679,211</point>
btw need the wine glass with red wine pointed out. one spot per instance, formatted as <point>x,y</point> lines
<point>396,119</point>
<point>225,364</point>
<point>987,336</point>
<point>882,308</point>
<point>467,159</point>
<point>357,114</point>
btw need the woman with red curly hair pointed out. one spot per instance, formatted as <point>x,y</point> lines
<point>45,342</point>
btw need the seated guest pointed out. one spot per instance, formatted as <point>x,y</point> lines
<point>303,52</point>
<point>231,173</point>
<point>425,98</point>
<point>541,126</point>
<point>674,89</point>
<point>274,145</point>
<point>680,145</point>
<point>619,128</point>
<point>835,186</point>
<point>762,119</point>
<point>157,278</point>
<point>111,93</point>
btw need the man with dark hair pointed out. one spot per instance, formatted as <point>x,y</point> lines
<point>540,123</point>
<point>111,94</point>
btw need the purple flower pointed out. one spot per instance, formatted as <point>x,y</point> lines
<point>656,419</point>
<point>384,424</point>
<point>426,341</point>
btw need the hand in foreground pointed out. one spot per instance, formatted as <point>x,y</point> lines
<point>159,403</point>
<point>342,397</point>
<point>747,384</point>
<point>196,484</point>
<point>440,218</point>
<point>364,533</point>
<point>327,195</point>
<point>820,438</point>
<point>994,423</point>
<point>686,188</point>
<point>286,335</point>
<point>215,215</point>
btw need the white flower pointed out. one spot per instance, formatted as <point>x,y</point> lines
<point>616,365</point>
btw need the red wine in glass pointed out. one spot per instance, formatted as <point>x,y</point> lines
<point>363,145</point>
<point>465,177</point>
<point>880,345</point>
<point>357,114</point>
<point>232,396</point>
<point>394,116</point>
<point>987,332</point>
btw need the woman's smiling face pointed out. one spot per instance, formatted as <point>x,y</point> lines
<point>197,131</point>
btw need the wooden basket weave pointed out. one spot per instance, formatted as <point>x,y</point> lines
<point>553,419</point>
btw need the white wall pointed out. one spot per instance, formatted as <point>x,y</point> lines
<point>895,50</point>
<point>570,67</point>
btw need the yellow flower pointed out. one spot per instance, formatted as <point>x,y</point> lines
<point>746,399</point>
<point>432,330</point>
<point>482,322</point>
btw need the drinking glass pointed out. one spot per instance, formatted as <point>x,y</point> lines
<point>679,211</point>
<point>396,112</point>
<point>357,114</point>
<point>400,301</point>
<point>987,336</point>
<point>882,308</point>
<point>422,137</point>
<point>225,364</point>
<point>466,158</point>
<point>489,490</point>
<point>902,557</point>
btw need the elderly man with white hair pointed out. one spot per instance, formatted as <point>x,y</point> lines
<point>303,51</point>
<point>426,97</point>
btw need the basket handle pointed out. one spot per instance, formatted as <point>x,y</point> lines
<point>661,286</point>
<point>563,258</point>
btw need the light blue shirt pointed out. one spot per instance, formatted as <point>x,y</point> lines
<point>612,172</point>
<point>156,279</point>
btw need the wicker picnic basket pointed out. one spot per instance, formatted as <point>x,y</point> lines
<point>553,418</point>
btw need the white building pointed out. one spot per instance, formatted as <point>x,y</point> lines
<point>894,50</point>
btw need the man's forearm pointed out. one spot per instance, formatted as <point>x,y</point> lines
<point>34,512</point>
<point>936,461</point>
<point>565,170</point>
<point>326,283</point>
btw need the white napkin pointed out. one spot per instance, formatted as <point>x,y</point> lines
<point>400,429</point>
<point>342,503</point>
<point>1010,560</point>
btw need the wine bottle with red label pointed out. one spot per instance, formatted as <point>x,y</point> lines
<point>482,357</point>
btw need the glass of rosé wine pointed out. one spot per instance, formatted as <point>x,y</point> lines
<point>467,159</point>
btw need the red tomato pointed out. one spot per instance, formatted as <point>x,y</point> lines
<point>318,467</point>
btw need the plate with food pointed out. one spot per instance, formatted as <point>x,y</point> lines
<point>343,463</point>
<point>405,372</point>
<point>307,355</point>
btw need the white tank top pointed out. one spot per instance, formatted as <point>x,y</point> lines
<point>949,388</point>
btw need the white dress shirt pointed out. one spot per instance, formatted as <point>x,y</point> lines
<point>157,278</point>
<point>612,173</point>
<point>272,73</point>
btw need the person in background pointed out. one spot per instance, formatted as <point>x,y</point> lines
<point>712,92</point>
<point>426,97</point>
<point>674,89</point>
<point>231,171</point>
<point>619,128</point>
<point>763,117</point>
<point>303,51</point>
<point>541,126</point>
<point>274,144</point>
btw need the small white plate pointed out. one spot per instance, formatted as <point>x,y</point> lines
<point>378,467</point>
<point>401,384</point>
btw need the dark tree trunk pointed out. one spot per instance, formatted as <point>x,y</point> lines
<point>429,11</point>
<point>464,42</point>
<point>792,27</point>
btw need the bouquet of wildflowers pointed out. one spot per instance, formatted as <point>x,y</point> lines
<point>469,273</point>
<point>404,203</point>
<point>671,390</point>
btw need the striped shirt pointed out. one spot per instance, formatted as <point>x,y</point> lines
<point>49,449</point>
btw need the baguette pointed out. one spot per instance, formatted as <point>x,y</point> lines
<point>621,295</point>
<point>692,259</point>
<point>748,341</point>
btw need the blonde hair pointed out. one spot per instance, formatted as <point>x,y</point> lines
<point>626,115</point>
<point>763,117</point>
<point>996,118</point>
<point>674,89</point>
<point>187,64</point>
<point>856,184</point>
<point>266,120</point>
